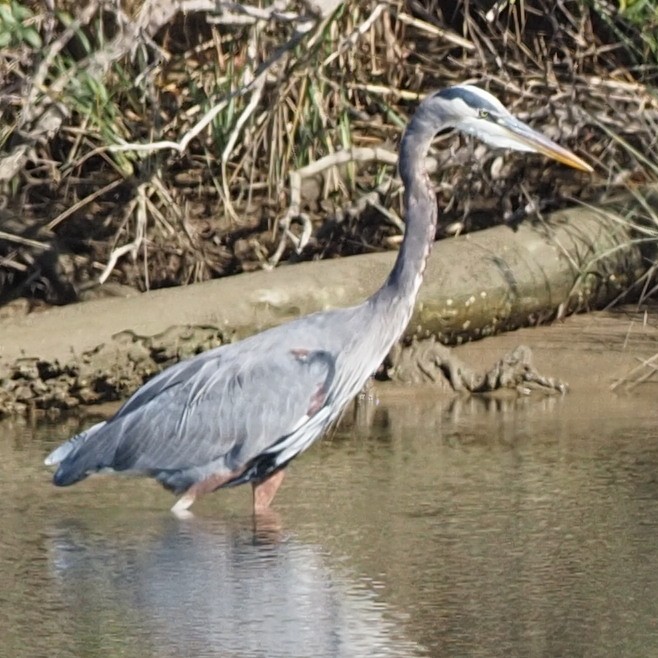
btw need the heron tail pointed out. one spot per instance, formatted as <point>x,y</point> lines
<point>80,456</point>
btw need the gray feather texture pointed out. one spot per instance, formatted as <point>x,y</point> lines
<point>220,410</point>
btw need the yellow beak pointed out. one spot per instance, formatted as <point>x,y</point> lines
<point>539,143</point>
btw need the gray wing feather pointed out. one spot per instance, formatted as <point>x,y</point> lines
<point>227,403</point>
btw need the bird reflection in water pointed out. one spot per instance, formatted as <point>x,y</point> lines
<point>203,587</point>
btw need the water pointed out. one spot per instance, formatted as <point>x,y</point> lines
<point>439,528</point>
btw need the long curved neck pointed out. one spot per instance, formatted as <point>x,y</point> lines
<point>401,287</point>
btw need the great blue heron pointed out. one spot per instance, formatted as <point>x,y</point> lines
<point>239,413</point>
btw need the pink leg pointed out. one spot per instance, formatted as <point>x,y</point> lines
<point>265,490</point>
<point>199,488</point>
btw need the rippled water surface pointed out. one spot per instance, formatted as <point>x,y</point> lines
<point>464,528</point>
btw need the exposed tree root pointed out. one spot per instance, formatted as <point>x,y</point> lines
<point>429,361</point>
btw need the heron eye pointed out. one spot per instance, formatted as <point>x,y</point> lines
<point>483,114</point>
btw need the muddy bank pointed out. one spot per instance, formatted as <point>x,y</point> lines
<point>605,352</point>
<point>587,351</point>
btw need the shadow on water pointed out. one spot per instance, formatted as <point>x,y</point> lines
<point>470,527</point>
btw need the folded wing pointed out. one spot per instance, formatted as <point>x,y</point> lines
<point>219,411</point>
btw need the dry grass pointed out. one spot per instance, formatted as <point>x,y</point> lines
<point>582,71</point>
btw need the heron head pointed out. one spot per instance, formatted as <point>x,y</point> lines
<point>476,112</point>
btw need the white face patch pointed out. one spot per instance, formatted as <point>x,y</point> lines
<point>475,112</point>
<point>492,134</point>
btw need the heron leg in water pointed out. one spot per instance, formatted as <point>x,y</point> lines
<point>199,488</point>
<point>265,490</point>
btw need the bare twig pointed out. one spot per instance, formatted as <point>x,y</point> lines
<point>447,35</point>
<point>352,38</point>
<point>26,242</point>
<point>634,377</point>
<point>257,86</point>
<point>233,13</point>
<point>185,140</point>
<point>296,177</point>
<point>83,202</point>
<point>140,234</point>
